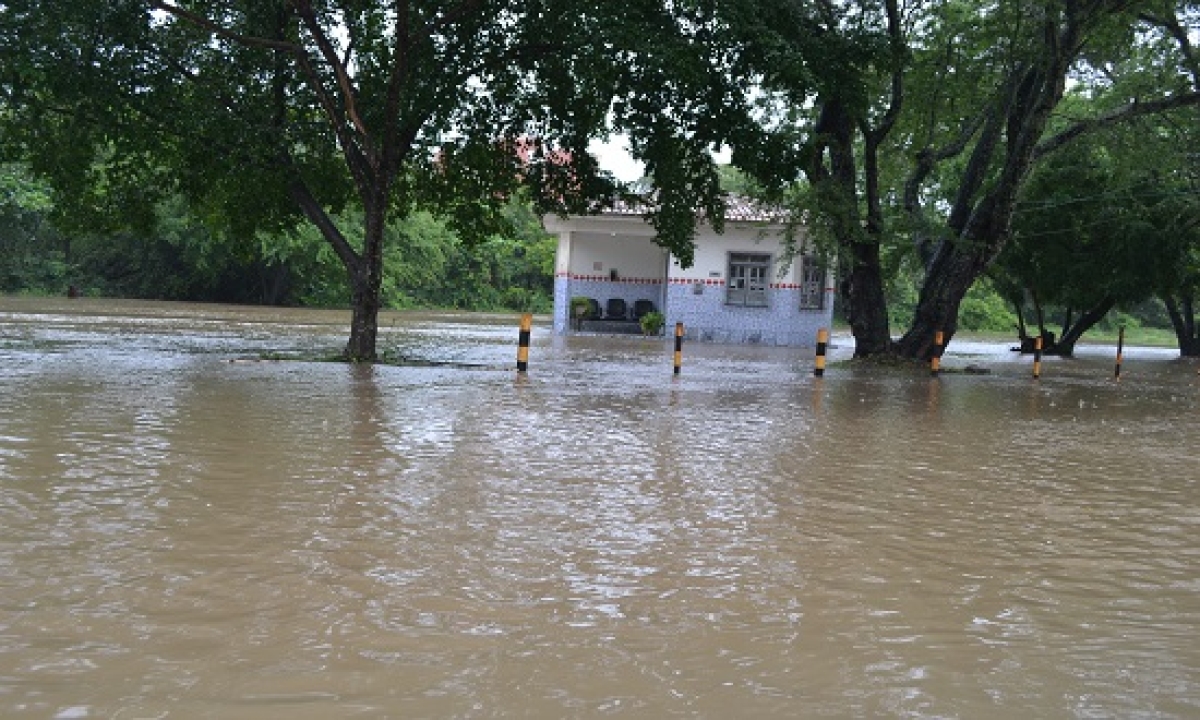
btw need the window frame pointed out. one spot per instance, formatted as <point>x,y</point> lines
<point>812,283</point>
<point>741,278</point>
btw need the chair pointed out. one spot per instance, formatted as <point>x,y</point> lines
<point>593,311</point>
<point>641,308</point>
<point>615,309</point>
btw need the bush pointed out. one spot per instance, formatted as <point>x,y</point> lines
<point>984,310</point>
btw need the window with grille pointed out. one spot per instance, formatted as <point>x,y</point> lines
<point>812,284</point>
<point>748,273</point>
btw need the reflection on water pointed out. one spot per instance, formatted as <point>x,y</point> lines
<point>185,534</point>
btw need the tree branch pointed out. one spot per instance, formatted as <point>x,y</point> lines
<point>454,14</point>
<point>223,32</point>
<point>1127,112</point>
<point>305,10</point>
<point>1176,30</point>
<point>927,159</point>
<point>400,68</point>
<point>316,214</point>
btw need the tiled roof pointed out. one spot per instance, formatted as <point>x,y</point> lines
<point>738,208</point>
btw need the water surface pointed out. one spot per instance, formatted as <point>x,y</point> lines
<point>188,531</point>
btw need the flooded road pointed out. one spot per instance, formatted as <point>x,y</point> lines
<point>187,531</point>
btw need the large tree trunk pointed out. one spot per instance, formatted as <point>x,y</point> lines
<point>833,173</point>
<point>955,268</point>
<point>866,306</point>
<point>981,215</point>
<point>1183,319</point>
<point>366,280</point>
<point>364,321</point>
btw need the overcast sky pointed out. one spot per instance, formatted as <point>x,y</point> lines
<point>615,158</point>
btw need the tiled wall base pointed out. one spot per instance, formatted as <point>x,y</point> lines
<point>705,316</point>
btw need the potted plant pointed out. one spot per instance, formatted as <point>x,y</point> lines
<point>652,322</point>
<point>580,307</point>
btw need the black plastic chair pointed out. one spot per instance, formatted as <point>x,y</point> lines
<point>642,308</point>
<point>616,309</point>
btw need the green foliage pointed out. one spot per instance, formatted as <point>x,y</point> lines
<point>181,257</point>
<point>984,310</point>
<point>652,322</point>
<point>1111,217</point>
<point>32,256</point>
<point>580,306</point>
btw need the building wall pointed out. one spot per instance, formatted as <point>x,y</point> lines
<point>707,318</point>
<point>712,253</point>
<point>587,259</point>
<point>695,296</point>
<point>634,258</point>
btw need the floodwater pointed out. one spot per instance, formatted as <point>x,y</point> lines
<point>190,531</point>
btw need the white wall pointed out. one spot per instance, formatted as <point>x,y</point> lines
<point>712,252</point>
<point>632,257</point>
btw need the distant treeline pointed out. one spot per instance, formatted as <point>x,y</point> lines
<point>176,255</point>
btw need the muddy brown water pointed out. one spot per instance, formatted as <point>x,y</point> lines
<point>189,532</point>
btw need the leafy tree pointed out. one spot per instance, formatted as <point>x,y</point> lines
<point>1077,244</point>
<point>262,112</point>
<point>1112,219</point>
<point>30,255</point>
<point>967,98</point>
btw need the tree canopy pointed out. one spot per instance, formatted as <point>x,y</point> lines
<point>927,130</point>
<point>897,127</point>
<point>261,113</point>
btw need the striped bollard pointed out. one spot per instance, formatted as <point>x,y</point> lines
<point>678,346</point>
<point>822,348</point>
<point>935,362</point>
<point>1037,357</point>
<point>523,342</point>
<point>1120,352</point>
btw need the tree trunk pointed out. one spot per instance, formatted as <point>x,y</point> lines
<point>836,181</point>
<point>1072,332</point>
<point>955,268</point>
<point>366,280</point>
<point>1183,319</point>
<point>1019,309</point>
<point>365,269</point>
<point>1039,312</point>
<point>866,306</point>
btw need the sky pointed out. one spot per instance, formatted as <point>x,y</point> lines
<point>613,155</point>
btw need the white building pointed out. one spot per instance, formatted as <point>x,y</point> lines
<point>744,286</point>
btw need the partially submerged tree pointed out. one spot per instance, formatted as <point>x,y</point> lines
<point>261,112</point>
<point>969,96</point>
<point>1079,244</point>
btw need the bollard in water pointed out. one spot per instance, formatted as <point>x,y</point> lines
<point>678,346</point>
<point>1120,352</point>
<point>935,362</point>
<point>523,343</point>
<point>1037,357</point>
<point>822,348</point>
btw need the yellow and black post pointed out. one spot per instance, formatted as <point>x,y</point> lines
<point>1120,352</point>
<point>935,362</point>
<point>678,346</point>
<point>1037,357</point>
<point>822,348</point>
<point>523,342</point>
